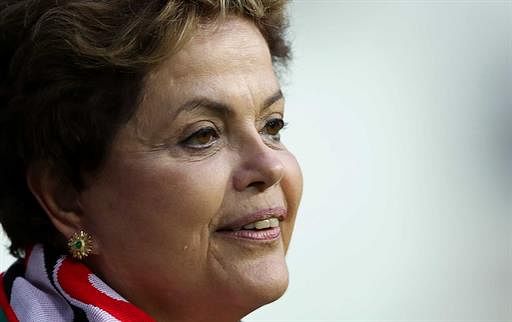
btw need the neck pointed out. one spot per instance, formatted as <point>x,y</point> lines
<point>198,314</point>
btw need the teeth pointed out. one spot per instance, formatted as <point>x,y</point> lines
<point>249,226</point>
<point>263,224</point>
<point>274,222</point>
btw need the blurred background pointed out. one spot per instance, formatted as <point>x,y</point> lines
<point>400,114</point>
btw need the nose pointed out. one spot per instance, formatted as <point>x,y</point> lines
<point>260,168</point>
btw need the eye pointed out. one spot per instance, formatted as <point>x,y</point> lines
<point>273,127</point>
<point>203,138</point>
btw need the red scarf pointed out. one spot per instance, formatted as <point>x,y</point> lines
<point>51,287</point>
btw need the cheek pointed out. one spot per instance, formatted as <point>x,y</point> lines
<point>156,201</point>
<point>292,190</point>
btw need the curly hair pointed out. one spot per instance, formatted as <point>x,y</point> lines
<point>71,75</point>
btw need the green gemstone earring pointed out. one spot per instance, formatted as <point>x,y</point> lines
<point>80,245</point>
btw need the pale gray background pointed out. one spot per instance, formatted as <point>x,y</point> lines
<point>401,116</point>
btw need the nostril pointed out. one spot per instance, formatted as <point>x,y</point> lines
<point>260,185</point>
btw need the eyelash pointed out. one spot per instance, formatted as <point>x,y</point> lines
<point>209,130</point>
<point>275,122</point>
<point>212,134</point>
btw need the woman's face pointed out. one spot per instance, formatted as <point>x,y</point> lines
<point>200,159</point>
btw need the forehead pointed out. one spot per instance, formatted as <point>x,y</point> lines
<point>219,59</point>
<point>235,42</point>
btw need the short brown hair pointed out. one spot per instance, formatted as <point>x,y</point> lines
<point>71,74</point>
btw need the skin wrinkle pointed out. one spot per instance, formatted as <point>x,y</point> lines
<point>220,108</point>
<point>161,142</point>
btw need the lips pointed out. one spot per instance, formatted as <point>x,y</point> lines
<point>261,219</point>
<point>262,225</point>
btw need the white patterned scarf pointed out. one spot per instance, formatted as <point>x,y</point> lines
<point>54,287</point>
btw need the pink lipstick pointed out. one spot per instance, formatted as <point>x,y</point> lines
<point>262,225</point>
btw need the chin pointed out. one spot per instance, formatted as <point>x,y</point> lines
<point>263,284</point>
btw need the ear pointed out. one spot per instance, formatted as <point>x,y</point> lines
<point>57,197</point>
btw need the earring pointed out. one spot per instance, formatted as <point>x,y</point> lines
<point>80,245</point>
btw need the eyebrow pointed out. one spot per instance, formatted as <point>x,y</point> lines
<point>220,107</point>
